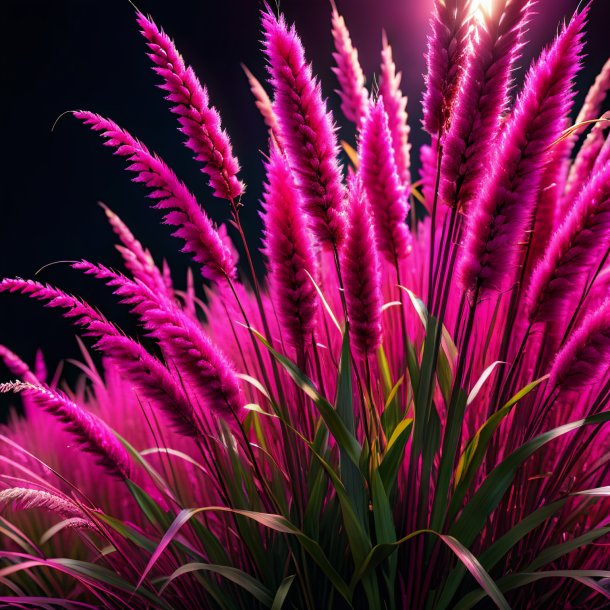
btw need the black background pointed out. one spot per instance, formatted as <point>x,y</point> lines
<point>66,54</point>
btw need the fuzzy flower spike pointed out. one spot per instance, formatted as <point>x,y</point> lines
<point>503,211</point>
<point>353,93</point>
<point>481,101</point>
<point>289,249</point>
<point>199,121</point>
<point>201,238</point>
<point>307,129</point>
<point>360,266</point>
<point>385,191</point>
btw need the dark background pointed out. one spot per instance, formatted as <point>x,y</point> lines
<point>66,54</point>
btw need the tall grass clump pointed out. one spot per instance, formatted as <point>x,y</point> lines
<point>408,410</point>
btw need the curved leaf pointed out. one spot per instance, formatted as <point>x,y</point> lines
<point>488,496</point>
<point>282,593</point>
<point>245,581</point>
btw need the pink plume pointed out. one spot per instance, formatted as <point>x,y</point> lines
<point>447,45</point>
<point>199,121</point>
<point>264,104</point>
<point>17,366</point>
<point>576,247</point>
<point>76,309</point>
<point>592,106</point>
<point>503,211</point>
<point>289,249</point>
<point>27,498</point>
<point>395,104</point>
<point>386,193</point>
<point>307,130</point>
<point>585,161</point>
<point>352,91</point>
<point>481,101</point>
<point>91,432</point>
<point>194,227</point>
<point>584,358</point>
<point>361,275</point>
<point>184,343</point>
<point>137,259</point>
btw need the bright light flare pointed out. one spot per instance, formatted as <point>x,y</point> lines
<point>482,6</point>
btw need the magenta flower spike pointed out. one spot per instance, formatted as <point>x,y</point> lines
<point>481,101</point>
<point>88,429</point>
<point>583,361</point>
<point>447,46</point>
<point>288,246</point>
<point>386,193</point>
<point>136,258</point>
<point>264,104</point>
<point>352,90</point>
<point>199,121</point>
<point>184,344</point>
<point>360,265</point>
<point>395,104</point>
<point>194,227</point>
<point>583,164</point>
<point>16,365</point>
<point>503,210</point>
<point>579,243</point>
<point>307,129</point>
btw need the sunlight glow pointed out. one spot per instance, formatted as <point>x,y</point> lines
<point>482,6</point>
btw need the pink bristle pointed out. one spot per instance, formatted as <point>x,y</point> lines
<point>90,431</point>
<point>264,104</point>
<point>288,247</point>
<point>76,309</point>
<point>386,193</point>
<point>593,104</point>
<point>583,360</point>
<point>16,366</point>
<point>447,45</point>
<point>352,90</point>
<point>503,210</point>
<point>148,374</point>
<point>549,201</point>
<point>307,129</point>
<point>395,104</point>
<point>481,101</point>
<point>577,245</point>
<point>184,343</point>
<point>194,226</point>
<point>361,275</point>
<point>136,258</point>
<point>199,121</point>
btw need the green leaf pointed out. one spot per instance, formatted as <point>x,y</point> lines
<point>247,582</point>
<point>488,496</point>
<point>384,530</point>
<point>381,551</point>
<point>282,593</point>
<point>350,473</point>
<point>490,557</point>
<point>346,440</point>
<point>520,579</point>
<point>475,451</point>
<point>394,454</point>
<point>556,551</point>
<point>274,522</point>
<point>127,532</point>
<point>391,413</point>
